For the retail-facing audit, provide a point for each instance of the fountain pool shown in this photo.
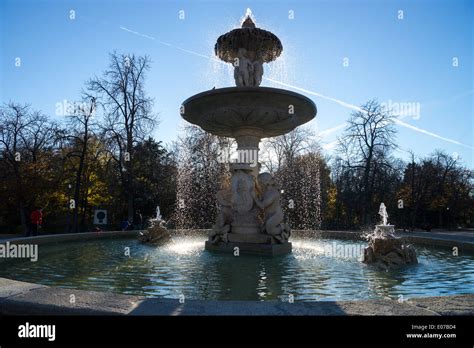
(315, 271)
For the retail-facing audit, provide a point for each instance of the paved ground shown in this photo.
(55, 238)
(465, 236)
(462, 240)
(19, 298)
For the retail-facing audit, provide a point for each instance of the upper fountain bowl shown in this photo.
(258, 44)
(259, 111)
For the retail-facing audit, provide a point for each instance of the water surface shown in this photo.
(310, 273)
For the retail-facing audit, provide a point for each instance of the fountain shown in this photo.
(386, 250)
(250, 219)
(156, 233)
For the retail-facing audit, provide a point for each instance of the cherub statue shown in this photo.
(224, 218)
(243, 70)
(257, 72)
(270, 203)
(242, 189)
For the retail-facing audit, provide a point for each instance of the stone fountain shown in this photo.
(250, 220)
(386, 250)
(156, 232)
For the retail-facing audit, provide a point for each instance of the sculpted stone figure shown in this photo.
(248, 72)
(270, 204)
(386, 251)
(224, 218)
(155, 234)
(257, 72)
(243, 69)
(242, 189)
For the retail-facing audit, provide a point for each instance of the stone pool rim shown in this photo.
(21, 298)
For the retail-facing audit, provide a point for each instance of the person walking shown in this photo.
(36, 219)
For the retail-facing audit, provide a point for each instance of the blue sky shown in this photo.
(391, 59)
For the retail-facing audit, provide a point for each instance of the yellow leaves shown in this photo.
(439, 202)
(330, 211)
(332, 196)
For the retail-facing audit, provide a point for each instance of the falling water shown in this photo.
(301, 197)
(200, 173)
(183, 216)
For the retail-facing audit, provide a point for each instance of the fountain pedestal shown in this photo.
(384, 230)
(245, 213)
(386, 250)
(244, 231)
(247, 248)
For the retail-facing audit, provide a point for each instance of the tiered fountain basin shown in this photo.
(261, 112)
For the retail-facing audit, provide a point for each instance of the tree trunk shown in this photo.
(130, 178)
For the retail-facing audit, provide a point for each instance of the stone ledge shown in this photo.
(32, 299)
(447, 240)
(69, 237)
(9, 288)
(446, 305)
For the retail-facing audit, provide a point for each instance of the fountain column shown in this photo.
(247, 149)
(244, 174)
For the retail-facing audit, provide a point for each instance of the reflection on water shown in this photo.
(314, 271)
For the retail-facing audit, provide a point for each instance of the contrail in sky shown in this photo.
(303, 90)
(340, 102)
(357, 108)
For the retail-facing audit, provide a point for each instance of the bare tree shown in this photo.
(24, 135)
(437, 190)
(368, 138)
(128, 116)
(83, 127)
(285, 148)
(14, 121)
